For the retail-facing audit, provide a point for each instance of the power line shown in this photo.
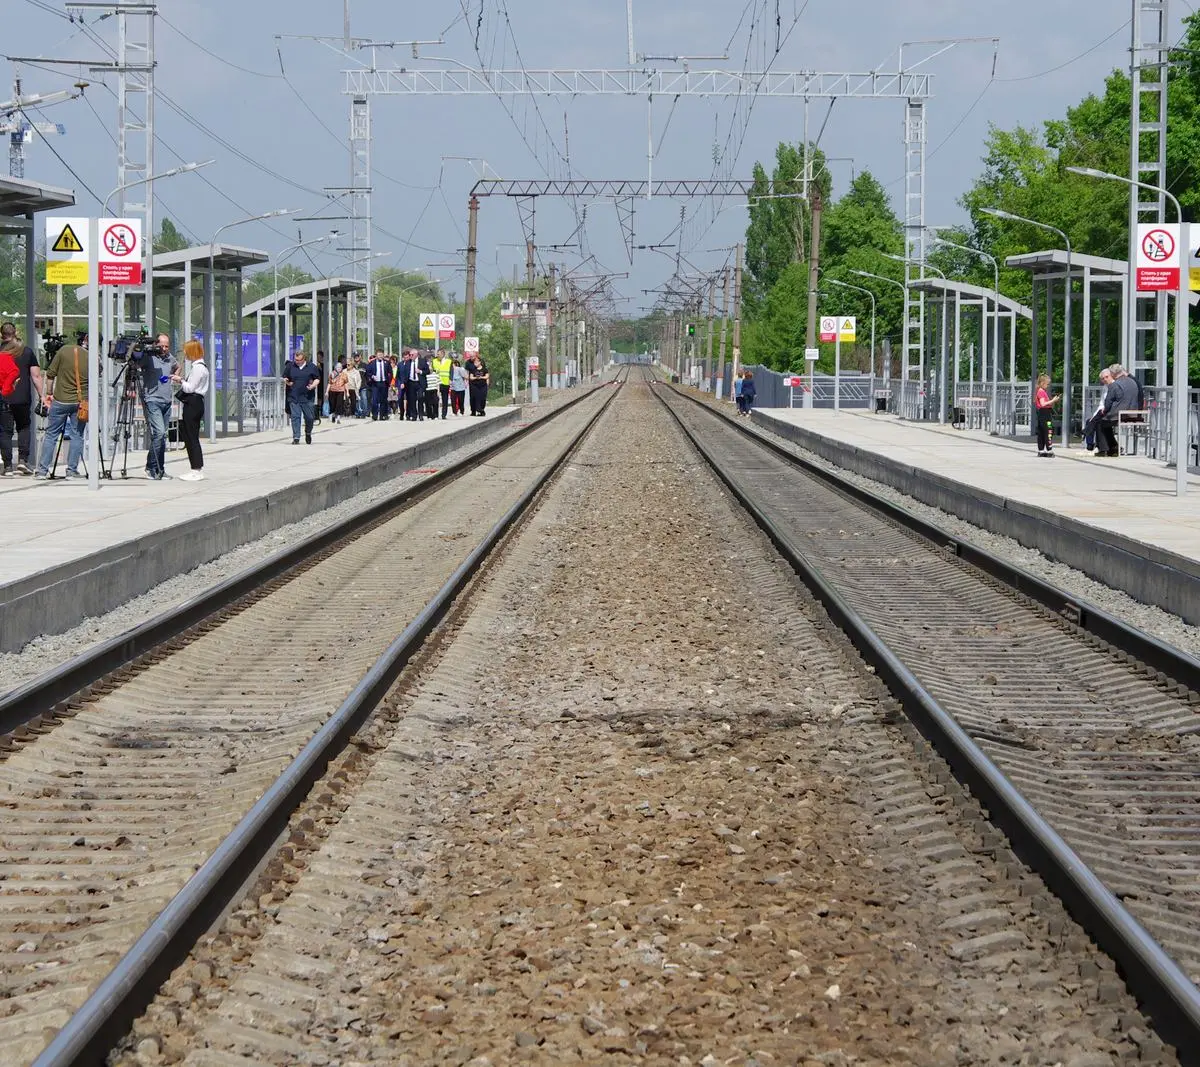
(50, 144)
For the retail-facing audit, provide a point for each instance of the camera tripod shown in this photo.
(128, 387)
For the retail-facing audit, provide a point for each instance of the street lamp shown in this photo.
(996, 325)
(1009, 216)
(1182, 298)
(921, 366)
(861, 289)
(400, 305)
(211, 324)
(890, 281)
(275, 296)
(183, 169)
(106, 321)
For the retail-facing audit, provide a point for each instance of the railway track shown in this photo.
(1065, 735)
(576, 849)
(113, 802)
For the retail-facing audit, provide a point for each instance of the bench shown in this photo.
(1130, 426)
(969, 412)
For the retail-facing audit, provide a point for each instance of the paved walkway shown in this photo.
(1131, 496)
(48, 523)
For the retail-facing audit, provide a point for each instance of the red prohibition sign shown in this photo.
(1158, 246)
(119, 240)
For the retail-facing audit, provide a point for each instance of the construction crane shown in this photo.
(18, 127)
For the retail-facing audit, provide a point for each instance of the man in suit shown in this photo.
(379, 375)
(414, 369)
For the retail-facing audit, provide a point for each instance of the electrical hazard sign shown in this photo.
(66, 251)
(428, 326)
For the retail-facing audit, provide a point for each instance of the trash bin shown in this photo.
(880, 404)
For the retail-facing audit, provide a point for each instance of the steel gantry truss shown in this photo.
(911, 86)
(806, 84)
(1146, 313)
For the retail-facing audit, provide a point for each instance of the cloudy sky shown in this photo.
(242, 86)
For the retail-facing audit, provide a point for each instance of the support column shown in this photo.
(472, 253)
(737, 309)
(724, 325)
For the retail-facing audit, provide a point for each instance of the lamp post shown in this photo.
(862, 289)
(1180, 392)
(278, 364)
(400, 305)
(211, 324)
(889, 281)
(995, 322)
(106, 321)
(925, 267)
(1066, 430)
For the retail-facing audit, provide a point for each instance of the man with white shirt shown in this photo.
(379, 375)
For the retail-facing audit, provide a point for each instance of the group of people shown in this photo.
(60, 394)
(744, 390)
(1122, 392)
(412, 386)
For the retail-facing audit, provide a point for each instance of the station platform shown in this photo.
(68, 552)
(1118, 520)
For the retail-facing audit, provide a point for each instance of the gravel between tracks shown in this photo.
(1153, 620)
(43, 652)
(648, 807)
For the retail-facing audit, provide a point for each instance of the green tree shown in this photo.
(169, 238)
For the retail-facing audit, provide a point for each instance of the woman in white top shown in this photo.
(192, 390)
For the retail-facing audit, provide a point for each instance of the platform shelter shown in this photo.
(317, 316)
(961, 366)
(20, 202)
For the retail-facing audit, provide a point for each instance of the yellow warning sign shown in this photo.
(67, 241)
(66, 273)
(428, 326)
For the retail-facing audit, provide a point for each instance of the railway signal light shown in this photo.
(691, 329)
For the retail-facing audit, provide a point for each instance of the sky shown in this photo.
(243, 83)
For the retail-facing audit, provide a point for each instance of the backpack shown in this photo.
(9, 373)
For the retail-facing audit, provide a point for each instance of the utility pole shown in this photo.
(516, 341)
(814, 267)
(724, 326)
(472, 254)
(551, 335)
(529, 362)
(14, 122)
(712, 312)
(737, 310)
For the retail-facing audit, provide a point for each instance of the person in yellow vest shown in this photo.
(442, 366)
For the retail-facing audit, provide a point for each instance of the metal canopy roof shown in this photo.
(329, 287)
(20, 197)
(1054, 261)
(973, 292)
(224, 257)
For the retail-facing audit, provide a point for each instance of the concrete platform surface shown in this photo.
(235, 469)
(66, 550)
(1065, 506)
(1132, 495)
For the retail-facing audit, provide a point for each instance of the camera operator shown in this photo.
(66, 390)
(15, 406)
(157, 365)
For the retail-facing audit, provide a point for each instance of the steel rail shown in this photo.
(89, 1035)
(39, 697)
(1166, 994)
(1174, 662)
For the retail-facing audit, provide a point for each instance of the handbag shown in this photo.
(82, 414)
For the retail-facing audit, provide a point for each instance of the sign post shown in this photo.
(846, 331)
(1179, 397)
(93, 355)
(811, 355)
